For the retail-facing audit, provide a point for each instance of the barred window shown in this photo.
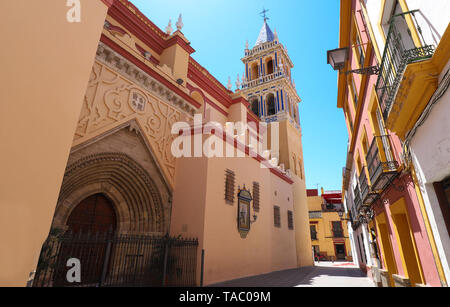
(276, 216)
(290, 217)
(229, 186)
(256, 196)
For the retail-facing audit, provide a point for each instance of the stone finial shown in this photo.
(229, 85)
(243, 77)
(238, 83)
(180, 23)
(275, 35)
(169, 27)
(246, 45)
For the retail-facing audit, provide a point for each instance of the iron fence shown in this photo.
(113, 260)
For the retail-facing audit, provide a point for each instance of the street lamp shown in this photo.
(338, 57)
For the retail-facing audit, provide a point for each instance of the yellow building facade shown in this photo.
(329, 236)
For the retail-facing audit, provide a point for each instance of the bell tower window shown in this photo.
(255, 106)
(271, 105)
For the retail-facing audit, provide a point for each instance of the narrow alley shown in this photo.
(323, 274)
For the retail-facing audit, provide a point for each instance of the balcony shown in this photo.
(381, 172)
(400, 50)
(368, 195)
(328, 207)
(278, 74)
(363, 184)
(357, 200)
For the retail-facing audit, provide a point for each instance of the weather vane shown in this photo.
(263, 14)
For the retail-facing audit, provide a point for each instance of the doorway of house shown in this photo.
(340, 251)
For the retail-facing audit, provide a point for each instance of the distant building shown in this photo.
(329, 236)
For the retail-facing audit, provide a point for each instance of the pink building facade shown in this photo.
(386, 225)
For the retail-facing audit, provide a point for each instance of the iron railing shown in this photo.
(376, 167)
(399, 51)
(357, 199)
(108, 260)
(363, 183)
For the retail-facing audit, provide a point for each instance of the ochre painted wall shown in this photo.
(46, 63)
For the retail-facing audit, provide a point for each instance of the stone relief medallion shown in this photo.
(137, 101)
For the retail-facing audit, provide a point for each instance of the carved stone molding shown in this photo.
(137, 201)
(121, 65)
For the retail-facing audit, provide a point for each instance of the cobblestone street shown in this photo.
(324, 274)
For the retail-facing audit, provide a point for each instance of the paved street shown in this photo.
(324, 274)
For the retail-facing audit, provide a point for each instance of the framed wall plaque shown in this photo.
(243, 214)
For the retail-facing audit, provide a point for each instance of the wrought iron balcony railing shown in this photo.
(363, 184)
(381, 172)
(399, 51)
(357, 200)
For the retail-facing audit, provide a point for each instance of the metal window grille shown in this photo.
(290, 220)
(229, 186)
(277, 216)
(256, 196)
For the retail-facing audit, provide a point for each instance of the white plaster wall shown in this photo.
(431, 143)
(431, 156)
(434, 17)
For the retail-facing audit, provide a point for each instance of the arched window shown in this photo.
(255, 106)
(270, 100)
(269, 65)
(254, 71)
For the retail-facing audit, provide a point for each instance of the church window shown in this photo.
(255, 106)
(270, 66)
(229, 186)
(271, 105)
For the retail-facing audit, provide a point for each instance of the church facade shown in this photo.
(248, 210)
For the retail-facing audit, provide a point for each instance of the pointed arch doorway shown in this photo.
(94, 214)
(90, 226)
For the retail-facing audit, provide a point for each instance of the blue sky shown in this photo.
(218, 29)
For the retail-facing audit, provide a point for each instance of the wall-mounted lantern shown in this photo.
(337, 58)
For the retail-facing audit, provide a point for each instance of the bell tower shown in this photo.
(269, 88)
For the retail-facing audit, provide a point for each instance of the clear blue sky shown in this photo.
(218, 29)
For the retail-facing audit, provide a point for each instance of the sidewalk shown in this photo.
(323, 274)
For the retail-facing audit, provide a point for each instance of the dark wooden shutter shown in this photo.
(276, 216)
(256, 196)
(290, 216)
(229, 186)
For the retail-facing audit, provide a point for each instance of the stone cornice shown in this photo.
(118, 63)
